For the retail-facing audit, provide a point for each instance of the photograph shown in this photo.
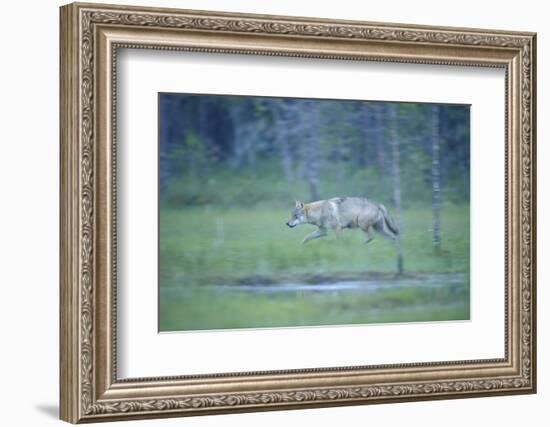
(288, 212)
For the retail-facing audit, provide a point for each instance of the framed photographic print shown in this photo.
(265, 212)
(229, 169)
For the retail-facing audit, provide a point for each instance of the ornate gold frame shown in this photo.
(90, 36)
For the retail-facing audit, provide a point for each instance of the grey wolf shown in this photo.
(339, 213)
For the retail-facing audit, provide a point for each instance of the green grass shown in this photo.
(207, 308)
(202, 248)
(206, 245)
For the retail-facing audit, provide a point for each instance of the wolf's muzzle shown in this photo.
(290, 225)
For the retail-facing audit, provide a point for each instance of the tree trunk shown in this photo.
(366, 131)
(311, 161)
(245, 134)
(203, 148)
(464, 165)
(379, 135)
(281, 138)
(251, 139)
(436, 181)
(365, 123)
(396, 182)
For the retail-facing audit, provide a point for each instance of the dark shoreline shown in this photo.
(321, 278)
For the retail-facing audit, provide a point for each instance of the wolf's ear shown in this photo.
(299, 204)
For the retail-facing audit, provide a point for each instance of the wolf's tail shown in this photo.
(388, 220)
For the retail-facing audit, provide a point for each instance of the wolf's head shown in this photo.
(298, 215)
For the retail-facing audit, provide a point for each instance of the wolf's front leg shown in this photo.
(320, 232)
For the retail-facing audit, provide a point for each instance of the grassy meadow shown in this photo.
(206, 254)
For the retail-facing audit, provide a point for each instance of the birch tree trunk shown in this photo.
(365, 124)
(396, 183)
(379, 136)
(436, 180)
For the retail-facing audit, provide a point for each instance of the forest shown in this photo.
(231, 168)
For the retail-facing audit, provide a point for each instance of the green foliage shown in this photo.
(228, 150)
(226, 187)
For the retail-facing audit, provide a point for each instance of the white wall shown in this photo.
(29, 213)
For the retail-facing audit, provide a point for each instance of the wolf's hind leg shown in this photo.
(368, 234)
(320, 232)
(380, 227)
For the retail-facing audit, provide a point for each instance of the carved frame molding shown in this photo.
(90, 37)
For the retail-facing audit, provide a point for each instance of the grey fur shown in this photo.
(339, 213)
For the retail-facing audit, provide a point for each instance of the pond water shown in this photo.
(297, 303)
(452, 280)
